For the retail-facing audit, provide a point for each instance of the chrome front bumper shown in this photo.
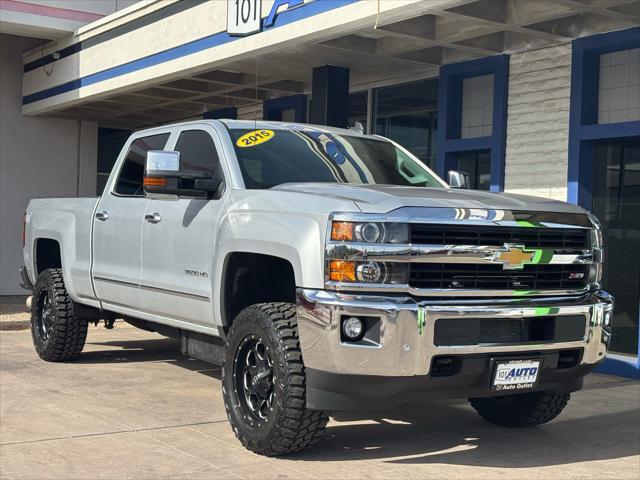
(402, 351)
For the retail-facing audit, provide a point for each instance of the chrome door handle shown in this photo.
(153, 217)
(102, 216)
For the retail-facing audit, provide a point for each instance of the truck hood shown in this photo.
(385, 198)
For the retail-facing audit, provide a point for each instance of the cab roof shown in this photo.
(254, 125)
(271, 125)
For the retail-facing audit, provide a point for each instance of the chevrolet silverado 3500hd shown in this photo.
(325, 270)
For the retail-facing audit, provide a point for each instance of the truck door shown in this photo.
(117, 228)
(179, 238)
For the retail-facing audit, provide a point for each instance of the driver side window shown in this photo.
(198, 153)
(132, 172)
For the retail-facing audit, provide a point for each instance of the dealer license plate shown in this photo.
(516, 374)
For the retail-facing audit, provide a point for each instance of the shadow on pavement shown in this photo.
(159, 349)
(452, 435)
(434, 432)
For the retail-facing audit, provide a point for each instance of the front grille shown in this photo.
(493, 276)
(532, 237)
(479, 331)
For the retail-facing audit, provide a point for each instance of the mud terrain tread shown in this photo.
(296, 428)
(526, 410)
(68, 333)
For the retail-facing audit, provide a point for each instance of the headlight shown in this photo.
(369, 232)
(367, 272)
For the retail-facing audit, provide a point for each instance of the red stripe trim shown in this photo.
(36, 9)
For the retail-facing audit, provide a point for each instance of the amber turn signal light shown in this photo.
(155, 182)
(342, 231)
(341, 271)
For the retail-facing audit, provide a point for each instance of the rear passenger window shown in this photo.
(132, 172)
(198, 153)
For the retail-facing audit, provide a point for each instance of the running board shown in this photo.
(202, 347)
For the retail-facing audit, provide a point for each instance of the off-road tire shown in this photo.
(67, 334)
(523, 410)
(289, 427)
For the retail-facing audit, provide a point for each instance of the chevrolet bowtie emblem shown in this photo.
(513, 257)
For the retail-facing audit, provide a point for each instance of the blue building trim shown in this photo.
(449, 143)
(227, 112)
(585, 133)
(620, 365)
(296, 14)
(584, 130)
(272, 109)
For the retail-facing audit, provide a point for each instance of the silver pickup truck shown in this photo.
(325, 270)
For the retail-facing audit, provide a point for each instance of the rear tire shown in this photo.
(523, 410)
(264, 384)
(57, 334)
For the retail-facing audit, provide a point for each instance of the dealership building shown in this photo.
(530, 97)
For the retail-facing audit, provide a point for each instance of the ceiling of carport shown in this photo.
(393, 51)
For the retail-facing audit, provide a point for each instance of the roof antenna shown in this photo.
(377, 16)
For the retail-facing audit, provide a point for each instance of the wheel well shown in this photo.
(255, 278)
(47, 254)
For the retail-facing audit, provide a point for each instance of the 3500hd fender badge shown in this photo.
(195, 273)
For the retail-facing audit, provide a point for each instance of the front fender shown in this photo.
(299, 240)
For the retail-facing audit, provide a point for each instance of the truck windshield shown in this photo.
(272, 157)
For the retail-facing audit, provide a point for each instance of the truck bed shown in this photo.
(67, 221)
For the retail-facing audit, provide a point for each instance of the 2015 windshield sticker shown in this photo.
(254, 138)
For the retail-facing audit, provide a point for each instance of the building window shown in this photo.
(619, 86)
(478, 166)
(604, 157)
(472, 115)
(358, 104)
(110, 142)
(477, 106)
(407, 114)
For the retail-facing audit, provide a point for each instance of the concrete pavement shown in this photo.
(133, 407)
(14, 314)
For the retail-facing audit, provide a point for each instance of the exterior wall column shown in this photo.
(330, 96)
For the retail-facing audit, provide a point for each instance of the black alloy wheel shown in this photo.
(254, 379)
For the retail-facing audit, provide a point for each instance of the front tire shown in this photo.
(523, 410)
(264, 384)
(57, 334)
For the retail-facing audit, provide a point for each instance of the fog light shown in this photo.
(353, 329)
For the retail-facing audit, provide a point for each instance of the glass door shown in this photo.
(616, 203)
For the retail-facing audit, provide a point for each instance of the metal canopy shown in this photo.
(395, 51)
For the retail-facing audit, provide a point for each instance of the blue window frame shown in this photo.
(450, 144)
(585, 133)
(584, 129)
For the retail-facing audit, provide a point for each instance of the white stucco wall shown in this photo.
(39, 157)
(538, 122)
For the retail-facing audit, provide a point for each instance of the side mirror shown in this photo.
(163, 175)
(162, 162)
(459, 179)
